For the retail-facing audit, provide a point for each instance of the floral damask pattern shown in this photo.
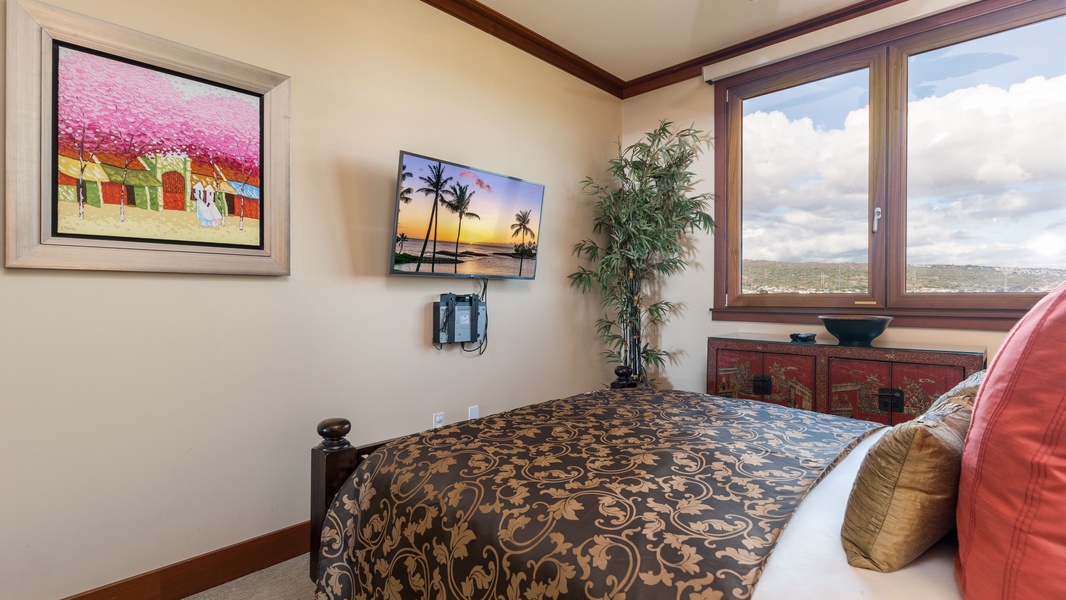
(627, 495)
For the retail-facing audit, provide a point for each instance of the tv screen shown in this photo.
(457, 221)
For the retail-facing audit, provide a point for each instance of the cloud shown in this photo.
(986, 137)
(986, 171)
(479, 182)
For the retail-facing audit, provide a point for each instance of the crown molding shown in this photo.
(507, 30)
(523, 38)
(693, 68)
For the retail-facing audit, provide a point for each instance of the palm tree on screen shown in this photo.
(405, 192)
(521, 226)
(461, 206)
(435, 186)
(400, 239)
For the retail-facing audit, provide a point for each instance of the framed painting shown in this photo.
(128, 152)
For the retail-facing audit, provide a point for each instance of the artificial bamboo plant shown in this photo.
(644, 211)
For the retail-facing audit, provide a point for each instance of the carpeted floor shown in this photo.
(286, 581)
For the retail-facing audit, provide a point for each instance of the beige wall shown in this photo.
(145, 419)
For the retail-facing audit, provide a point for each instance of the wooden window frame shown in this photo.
(885, 52)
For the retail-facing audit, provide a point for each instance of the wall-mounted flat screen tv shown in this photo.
(458, 221)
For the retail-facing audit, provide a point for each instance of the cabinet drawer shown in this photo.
(854, 387)
(743, 374)
(922, 385)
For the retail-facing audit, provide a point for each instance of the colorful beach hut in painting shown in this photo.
(128, 181)
(245, 199)
(248, 195)
(106, 178)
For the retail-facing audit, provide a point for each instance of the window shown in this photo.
(919, 172)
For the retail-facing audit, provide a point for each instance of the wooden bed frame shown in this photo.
(334, 460)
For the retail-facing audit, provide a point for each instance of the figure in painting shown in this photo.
(206, 210)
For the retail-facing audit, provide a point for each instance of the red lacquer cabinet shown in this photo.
(879, 383)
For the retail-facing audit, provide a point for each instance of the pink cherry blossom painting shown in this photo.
(145, 154)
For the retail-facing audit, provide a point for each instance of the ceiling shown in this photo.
(629, 47)
(633, 38)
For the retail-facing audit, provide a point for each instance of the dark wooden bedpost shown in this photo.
(624, 378)
(332, 461)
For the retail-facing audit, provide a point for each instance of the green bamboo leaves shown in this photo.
(644, 212)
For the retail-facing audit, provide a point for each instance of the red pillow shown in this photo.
(1012, 491)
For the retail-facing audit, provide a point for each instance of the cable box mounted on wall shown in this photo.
(458, 319)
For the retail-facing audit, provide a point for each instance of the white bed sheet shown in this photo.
(808, 562)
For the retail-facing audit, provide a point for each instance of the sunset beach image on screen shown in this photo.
(457, 221)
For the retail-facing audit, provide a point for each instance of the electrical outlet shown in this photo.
(438, 420)
(471, 412)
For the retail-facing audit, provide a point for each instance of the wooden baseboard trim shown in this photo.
(192, 576)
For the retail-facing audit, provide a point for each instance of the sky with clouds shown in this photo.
(986, 159)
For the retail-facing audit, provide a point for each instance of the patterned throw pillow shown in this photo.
(963, 393)
(903, 499)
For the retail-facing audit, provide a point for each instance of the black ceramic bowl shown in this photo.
(855, 330)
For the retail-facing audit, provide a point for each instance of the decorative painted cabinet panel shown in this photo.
(859, 388)
(880, 383)
(783, 379)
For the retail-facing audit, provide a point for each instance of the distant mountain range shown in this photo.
(771, 277)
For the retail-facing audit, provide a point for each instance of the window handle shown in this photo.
(877, 217)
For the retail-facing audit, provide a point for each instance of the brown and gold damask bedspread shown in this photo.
(627, 495)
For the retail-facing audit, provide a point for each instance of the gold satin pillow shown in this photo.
(903, 499)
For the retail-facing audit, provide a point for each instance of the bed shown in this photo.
(611, 494)
(631, 494)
